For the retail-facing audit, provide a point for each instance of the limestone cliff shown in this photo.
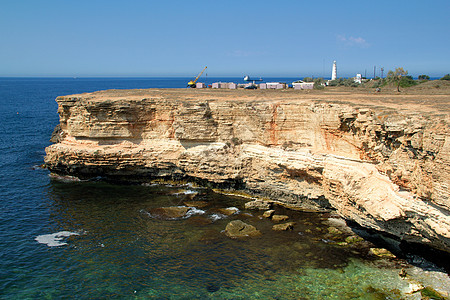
(381, 165)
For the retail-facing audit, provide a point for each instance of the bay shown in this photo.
(89, 240)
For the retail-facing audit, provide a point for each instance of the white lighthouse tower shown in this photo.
(334, 72)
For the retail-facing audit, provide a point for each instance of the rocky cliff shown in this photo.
(378, 161)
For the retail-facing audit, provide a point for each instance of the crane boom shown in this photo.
(193, 82)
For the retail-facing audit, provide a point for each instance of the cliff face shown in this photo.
(379, 166)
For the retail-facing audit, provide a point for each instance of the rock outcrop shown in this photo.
(380, 166)
(237, 229)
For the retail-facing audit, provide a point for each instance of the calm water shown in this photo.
(114, 247)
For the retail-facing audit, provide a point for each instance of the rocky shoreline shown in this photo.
(384, 168)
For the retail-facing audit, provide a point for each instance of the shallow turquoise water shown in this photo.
(122, 251)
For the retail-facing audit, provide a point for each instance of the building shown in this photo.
(224, 85)
(303, 85)
(334, 72)
(275, 85)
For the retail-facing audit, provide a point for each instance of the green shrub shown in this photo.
(333, 83)
(423, 77)
(446, 77)
(319, 83)
(407, 81)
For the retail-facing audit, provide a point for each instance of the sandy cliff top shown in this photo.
(417, 99)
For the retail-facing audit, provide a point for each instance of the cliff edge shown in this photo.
(379, 160)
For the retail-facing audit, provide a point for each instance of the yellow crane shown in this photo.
(193, 82)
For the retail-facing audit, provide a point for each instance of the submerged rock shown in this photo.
(353, 239)
(279, 218)
(258, 204)
(174, 212)
(430, 293)
(239, 229)
(199, 221)
(284, 226)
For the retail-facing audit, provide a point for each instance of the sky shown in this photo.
(138, 38)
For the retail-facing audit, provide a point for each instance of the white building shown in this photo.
(303, 85)
(334, 72)
(275, 85)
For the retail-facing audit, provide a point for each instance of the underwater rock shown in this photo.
(334, 231)
(353, 239)
(430, 293)
(174, 212)
(199, 221)
(279, 218)
(212, 288)
(258, 205)
(284, 226)
(239, 229)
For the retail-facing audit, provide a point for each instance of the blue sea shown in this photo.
(98, 240)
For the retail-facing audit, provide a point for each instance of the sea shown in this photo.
(65, 239)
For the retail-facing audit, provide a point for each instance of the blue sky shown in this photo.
(233, 38)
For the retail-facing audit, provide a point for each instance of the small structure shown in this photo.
(275, 85)
(303, 85)
(224, 85)
(263, 86)
(358, 78)
(200, 85)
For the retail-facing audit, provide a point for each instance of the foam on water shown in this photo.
(194, 211)
(216, 217)
(54, 239)
(234, 209)
(186, 192)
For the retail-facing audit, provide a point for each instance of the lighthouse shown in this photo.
(334, 72)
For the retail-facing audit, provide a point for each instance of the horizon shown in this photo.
(289, 39)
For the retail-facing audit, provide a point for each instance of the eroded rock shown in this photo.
(268, 213)
(228, 211)
(284, 226)
(279, 218)
(238, 229)
(258, 205)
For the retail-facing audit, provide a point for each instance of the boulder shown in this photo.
(279, 218)
(258, 205)
(381, 252)
(284, 226)
(238, 229)
(171, 212)
(268, 213)
(228, 211)
(353, 239)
